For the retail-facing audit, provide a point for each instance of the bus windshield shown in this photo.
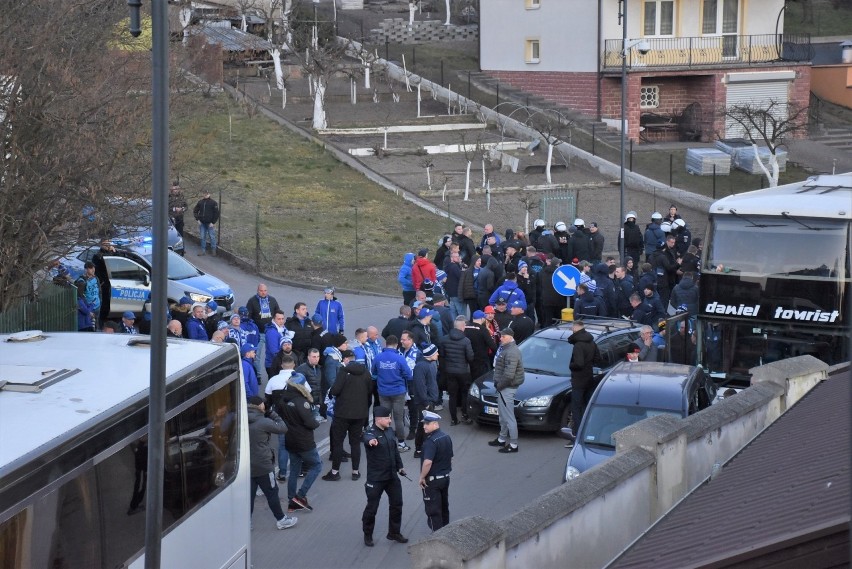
(779, 246)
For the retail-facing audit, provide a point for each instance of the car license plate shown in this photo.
(491, 411)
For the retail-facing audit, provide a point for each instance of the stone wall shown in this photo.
(397, 30)
(657, 463)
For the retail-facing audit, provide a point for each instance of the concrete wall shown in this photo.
(657, 463)
(397, 30)
(833, 83)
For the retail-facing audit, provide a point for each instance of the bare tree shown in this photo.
(770, 123)
(74, 126)
(553, 127)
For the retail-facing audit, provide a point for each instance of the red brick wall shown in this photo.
(575, 90)
(677, 90)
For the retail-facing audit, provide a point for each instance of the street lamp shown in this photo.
(643, 48)
(159, 282)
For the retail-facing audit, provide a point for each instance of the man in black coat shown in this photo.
(521, 323)
(456, 353)
(634, 242)
(583, 359)
(483, 345)
(353, 393)
(384, 466)
(552, 302)
(398, 324)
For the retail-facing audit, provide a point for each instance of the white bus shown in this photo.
(73, 453)
(775, 276)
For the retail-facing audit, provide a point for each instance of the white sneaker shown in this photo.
(259, 492)
(286, 522)
(439, 407)
(403, 447)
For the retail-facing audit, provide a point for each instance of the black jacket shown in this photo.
(467, 248)
(583, 359)
(395, 327)
(456, 353)
(253, 306)
(302, 331)
(549, 296)
(597, 246)
(685, 292)
(523, 327)
(424, 334)
(353, 392)
(294, 406)
(483, 345)
(383, 460)
(581, 243)
(206, 210)
(634, 243)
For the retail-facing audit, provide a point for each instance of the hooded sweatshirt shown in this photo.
(404, 275)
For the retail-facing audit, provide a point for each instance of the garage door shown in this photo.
(755, 93)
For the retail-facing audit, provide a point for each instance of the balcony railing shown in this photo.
(711, 51)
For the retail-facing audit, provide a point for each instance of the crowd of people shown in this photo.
(464, 310)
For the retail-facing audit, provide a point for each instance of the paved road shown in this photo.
(484, 482)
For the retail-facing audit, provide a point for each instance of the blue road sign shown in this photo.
(565, 280)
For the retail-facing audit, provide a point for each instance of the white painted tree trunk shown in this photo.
(771, 176)
(279, 72)
(366, 75)
(411, 9)
(244, 24)
(483, 171)
(447, 23)
(429, 177)
(549, 162)
(467, 182)
(320, 120)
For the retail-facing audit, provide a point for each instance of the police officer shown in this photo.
(383, 469)
(436, 464)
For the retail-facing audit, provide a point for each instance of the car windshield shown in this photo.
(604, 420)
(546, 355)
(179, 268)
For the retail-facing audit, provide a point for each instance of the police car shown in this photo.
(129, 271)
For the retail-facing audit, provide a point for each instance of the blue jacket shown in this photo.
(404, 275)
(332, 315)
(250, 378)
(391, 372)
(84, 315)
(424, 373)
(252, 332)
(273, 343)
(654, 237)
(511, 292)
(195, 329)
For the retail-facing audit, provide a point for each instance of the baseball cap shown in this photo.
(381, 411)
(477, 314)
(212, 305)
(328, 290)
(507, 332)
(424, 312)
(488, 309)
(316, 319)
(129, 315)
(247, 348)
(243, 312)
(297, 379)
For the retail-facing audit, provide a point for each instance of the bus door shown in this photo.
(130, 285)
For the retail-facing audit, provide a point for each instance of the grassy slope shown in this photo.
(306, 201)
(828, 21)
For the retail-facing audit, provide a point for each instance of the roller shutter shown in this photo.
(754, 93)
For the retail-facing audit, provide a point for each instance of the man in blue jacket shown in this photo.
(404, 279)
(392, 376)
(331, 311)
(510, 291)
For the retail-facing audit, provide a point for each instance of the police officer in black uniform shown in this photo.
(383, 469)
(436, 464)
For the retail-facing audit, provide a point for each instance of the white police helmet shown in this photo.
(666, 227)
(538, 223)
(560, 226)
(579, 222)
(679, 222)
(629, 215)
(657, 215)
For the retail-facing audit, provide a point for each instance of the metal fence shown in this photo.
(55, 310)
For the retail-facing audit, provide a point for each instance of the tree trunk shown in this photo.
(549, 162)
(771, 176)
(279, 72)
(320, 121)
(467, 182)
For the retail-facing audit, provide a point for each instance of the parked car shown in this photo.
(130, 279)
(543, 400)
(631, 392)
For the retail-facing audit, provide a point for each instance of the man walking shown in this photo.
(508, 376)
(352, 392)
(295, 406)
(583, 359)
(206, 212)
(456, 356)
(262, 425)
(384, 466)
(435, 466)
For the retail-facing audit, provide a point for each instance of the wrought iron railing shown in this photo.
(707, 51)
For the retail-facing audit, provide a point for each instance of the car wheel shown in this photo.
(565, 418)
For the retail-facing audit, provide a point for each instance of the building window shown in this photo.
(649, 97)
(532, 51)
(659, 18)
(533, 4)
